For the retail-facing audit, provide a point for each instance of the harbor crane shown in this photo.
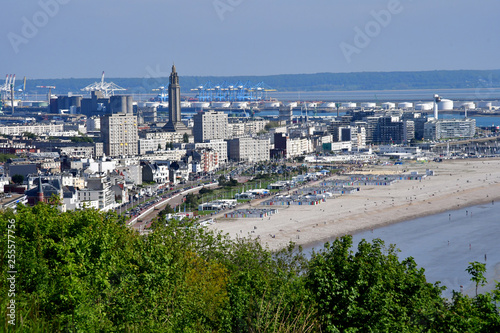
(238, 92)
(107, 88)
(9, 88)
(50, 91)
(162, 95)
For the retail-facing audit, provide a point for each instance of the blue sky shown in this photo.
(141, 38)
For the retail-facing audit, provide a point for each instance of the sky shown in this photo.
(142, 38)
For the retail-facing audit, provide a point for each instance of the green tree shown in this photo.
(18, 179)
(30, 135)
(185, 138)
(369, 289)
(477, 270)
(5, 157)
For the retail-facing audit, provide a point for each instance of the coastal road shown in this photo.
(142, 220)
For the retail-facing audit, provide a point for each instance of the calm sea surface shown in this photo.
(445, 243)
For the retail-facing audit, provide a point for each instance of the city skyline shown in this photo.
(69, 38)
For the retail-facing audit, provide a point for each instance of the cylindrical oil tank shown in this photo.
(328, 105)
(201, 105)
(292, 104)
(405, 105)
(348, 105)
(445, 104)
(272, 105)
(221, 104)
(240, 105)
(185, 104)
(423, 106)
(484, 104)
(388, 105)
(467, 105)
(141, 104)
(369, 105)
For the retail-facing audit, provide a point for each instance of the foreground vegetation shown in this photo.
(85, 271)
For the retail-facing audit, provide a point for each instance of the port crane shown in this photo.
(50, 91)
(107, 88)
(238, 92)
(162, 95)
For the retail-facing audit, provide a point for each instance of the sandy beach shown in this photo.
(455, 184)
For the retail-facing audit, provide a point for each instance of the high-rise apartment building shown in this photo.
(210, 125)
(119, 133)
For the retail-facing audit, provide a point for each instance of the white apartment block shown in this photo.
(236, 130)
(93, 124)
(255, 126)
(151, 145)
(358, 137)
(173, 137)
(299, 146)
(165, 155)
(209, 125)
(40, 129)
(249, 149)
(219, 146)
(449, 128)
(119, 132)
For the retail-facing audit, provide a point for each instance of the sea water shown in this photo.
(445, 243)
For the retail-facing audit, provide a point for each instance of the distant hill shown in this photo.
(449, 79)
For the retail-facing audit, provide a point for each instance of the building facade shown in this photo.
(210, 125)
(248, 149)
(119, 133)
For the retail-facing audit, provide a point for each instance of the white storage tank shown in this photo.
(328, 105)
(221, 104)
(272, 105)
(388, 105)
(370, 105)
(405, 105)
(348, 105)
(467, 105)
(423, 106)
(445, 104)
(240, 105)
(292, 104)
(484, 105)
(201, 105)
(185, 104)
(141, 104)
(311, 105)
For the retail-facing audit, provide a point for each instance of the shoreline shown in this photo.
(404, 219)
(456, 184)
